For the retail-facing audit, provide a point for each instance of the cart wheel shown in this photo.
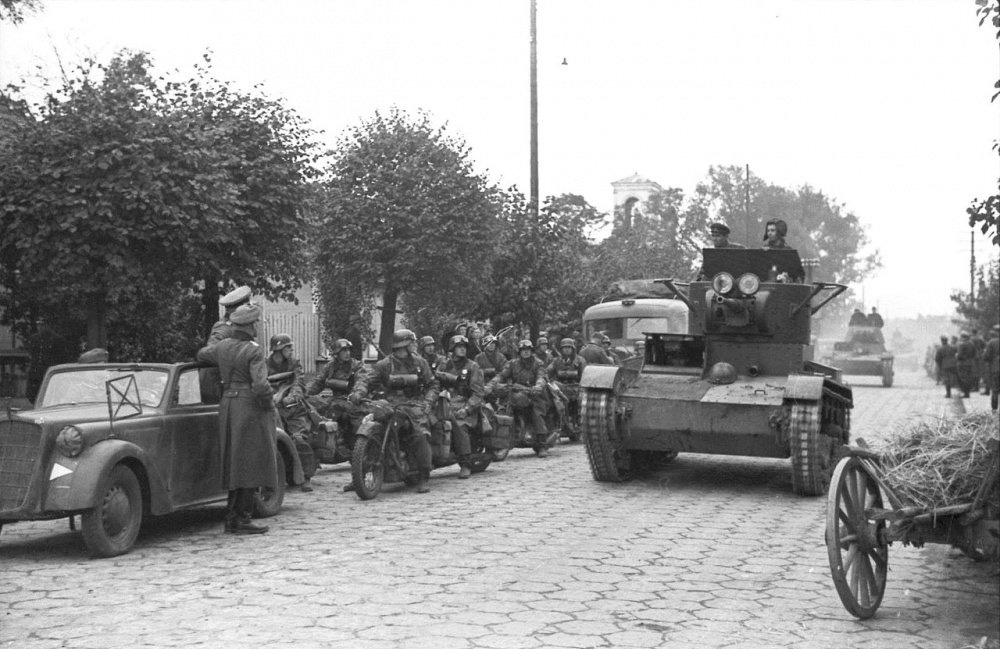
(856, 545)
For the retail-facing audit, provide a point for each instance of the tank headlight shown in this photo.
(748, 283)
(70, 441)
(722, 283)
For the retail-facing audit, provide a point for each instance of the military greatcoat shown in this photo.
(247, 435)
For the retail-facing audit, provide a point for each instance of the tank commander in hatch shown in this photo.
(719, 233)
(775, 231)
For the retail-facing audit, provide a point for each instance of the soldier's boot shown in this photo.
(307, 485)
(243, 506)
(543, 452)
(466, 467)
(348, 487)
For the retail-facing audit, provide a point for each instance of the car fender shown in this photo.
(802, 387)
(293, 462)
(77, 487)
(600, 377)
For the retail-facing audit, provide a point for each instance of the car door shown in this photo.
(193, 426)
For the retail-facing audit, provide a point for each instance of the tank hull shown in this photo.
(685, 414)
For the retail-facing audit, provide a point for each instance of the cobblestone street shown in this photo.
(707, 552)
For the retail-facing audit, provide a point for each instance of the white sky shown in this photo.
(884, 105)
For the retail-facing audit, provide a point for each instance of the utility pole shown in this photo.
(972, 266)
(534, 111)
(746, 207)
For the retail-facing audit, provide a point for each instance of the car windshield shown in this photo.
(88, 386)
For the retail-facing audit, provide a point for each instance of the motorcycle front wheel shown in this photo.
(367, 467)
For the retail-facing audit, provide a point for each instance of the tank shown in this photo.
(863, 352)
(740, 381)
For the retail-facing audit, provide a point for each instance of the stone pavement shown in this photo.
(707, 552)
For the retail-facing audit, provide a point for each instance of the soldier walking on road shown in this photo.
(966, 361)
(946, 364)
(991, 364)
(246, 418)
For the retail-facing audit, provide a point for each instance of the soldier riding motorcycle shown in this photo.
(565, 373)
(337, 395)
(522, 383)
(460, 413)
(393, 442)
(285, 376)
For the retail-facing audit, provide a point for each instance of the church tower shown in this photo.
(630, 198)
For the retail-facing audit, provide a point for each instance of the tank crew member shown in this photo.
(567, 369)
(464, 381)
(415, 397)
(719, 233)
(593, 352)
(526, 370)
(288, 396)
(428, 351)
(775, 231)
(966, 364)
(873, 319)
(246, 418)
(345, 378)
(858, 318)
(991, 362)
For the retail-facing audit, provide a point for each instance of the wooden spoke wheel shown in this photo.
(856, 545)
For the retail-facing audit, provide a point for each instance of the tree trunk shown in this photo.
(210, 306)
(97, 322)
(387, 323)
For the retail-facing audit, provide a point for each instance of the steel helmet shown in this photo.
(567, 342)
(402, 338)
(341, 344)
(722, 373)
(280, 341)
(542, 340)
(525, 344)
(456, 341)
(427, 340)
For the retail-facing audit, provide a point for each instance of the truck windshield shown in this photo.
(87, 386)
(631, 328)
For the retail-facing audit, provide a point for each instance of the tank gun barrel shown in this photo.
(731, 305)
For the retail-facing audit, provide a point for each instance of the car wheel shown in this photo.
(112, 526)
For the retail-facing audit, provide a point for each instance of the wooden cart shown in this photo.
(859, 529)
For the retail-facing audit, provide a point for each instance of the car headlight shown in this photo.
(748, 283)
(70, 441)
(722, 283)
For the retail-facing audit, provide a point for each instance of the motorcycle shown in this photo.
(514, 400)
(330, 442)
(380, 455)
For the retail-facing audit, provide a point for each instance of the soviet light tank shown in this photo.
(740, 381)
(863, 352)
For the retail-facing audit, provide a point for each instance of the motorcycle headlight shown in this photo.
(70, 441)
(748, 283)
(722, 283)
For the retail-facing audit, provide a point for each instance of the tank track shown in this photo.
(609, 461)
(817, 433)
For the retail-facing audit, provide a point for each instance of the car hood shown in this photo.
(66, 414)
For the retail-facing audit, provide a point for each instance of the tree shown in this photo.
(542, 258)
(14, 11)
(984, 311)
(985, 213)
(122, 189)
(403, 214)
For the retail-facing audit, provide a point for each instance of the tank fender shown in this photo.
(77, 489)
(292, 460)
(801, 387)
(600, 377)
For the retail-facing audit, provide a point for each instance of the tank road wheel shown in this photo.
(367, 467)
(856, 545)
(887, 374)
(609, 460)
(813, 453)
(267, 502)
(112, 526)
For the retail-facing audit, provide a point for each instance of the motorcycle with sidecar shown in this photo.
(514, 400)
(383, 455)
(331, 442)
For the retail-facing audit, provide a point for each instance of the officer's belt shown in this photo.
(237, 385)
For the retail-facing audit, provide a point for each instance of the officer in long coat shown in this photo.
(414, 392)
(247, 435)
(211, 389)
(464, 381)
